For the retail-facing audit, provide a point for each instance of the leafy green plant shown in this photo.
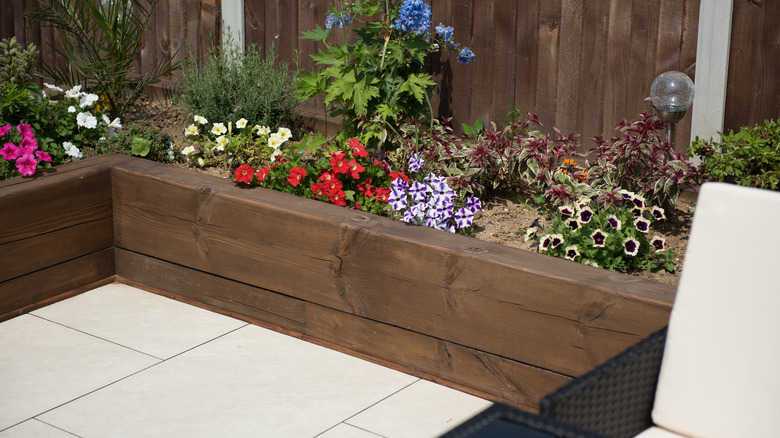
(17, 64)
(616, 237)
(144, 141)
(751, 157)
(380, 75)
(638, 160)
(233, 85)
(100, 40)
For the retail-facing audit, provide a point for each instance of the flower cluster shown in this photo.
(338, 21)
(614, 237)
(431, 202)
(26, 153)
(347, 175)
(414, 16)
(465, 55)
(221, 142)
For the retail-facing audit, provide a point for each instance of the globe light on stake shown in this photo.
(672, 94)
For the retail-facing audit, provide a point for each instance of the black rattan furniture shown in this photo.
(614, 400)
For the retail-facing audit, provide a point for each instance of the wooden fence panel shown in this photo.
(753, 91)
(581, 65)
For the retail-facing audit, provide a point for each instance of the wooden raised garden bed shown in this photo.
(503, 323)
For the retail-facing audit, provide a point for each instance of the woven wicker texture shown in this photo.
(615, 399)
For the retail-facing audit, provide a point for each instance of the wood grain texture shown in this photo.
(27, 292)
(561, 316)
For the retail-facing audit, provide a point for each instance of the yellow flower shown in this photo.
(284, 133)
(191, 130)
(262, 130)
(188, 150)
(201, 120)
(275, 141)
(241, 123)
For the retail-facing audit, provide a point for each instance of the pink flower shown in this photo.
(9, 151)
(4, 129)
(26, 164)
(27, 146)
(43, 156)
(25, 129)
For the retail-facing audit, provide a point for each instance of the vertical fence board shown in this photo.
(569, 64)
(462, 75)
(504, 57)
(590, 106)
(526, 66)
(484, 43)
(547, 61)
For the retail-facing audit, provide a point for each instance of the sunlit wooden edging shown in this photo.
(500, 322)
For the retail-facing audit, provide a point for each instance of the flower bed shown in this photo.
(500, 322)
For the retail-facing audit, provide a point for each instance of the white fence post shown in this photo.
(712, 67)
(233, 22)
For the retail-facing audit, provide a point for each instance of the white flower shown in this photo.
(88, 100)
(222, 141)
(274, 141)
(72, 150)
(191, 130)
(52, 87)
(188, 150)
(201, 120)
(284, 133)
(74, 93)
(201, 162)
(113, 125)
(262, 130)
(241, 123)
(218, 129)
(86, 120)
(71, 109)
(116, 124)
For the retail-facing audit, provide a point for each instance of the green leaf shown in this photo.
(353, 92)
(417, 85)
(311, 84)
(140, 146)
(318, 34)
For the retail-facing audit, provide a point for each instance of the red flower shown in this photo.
(320, 190)
(262, 173)
(338, 198)
(355, 169)
(357, 148)
(399, 174)
(382, 194)
(244, 174)
(296, 175)
(368, 190)
(326, 175)
(338, 162)
(333, 185)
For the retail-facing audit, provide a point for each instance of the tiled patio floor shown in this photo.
(121, 362)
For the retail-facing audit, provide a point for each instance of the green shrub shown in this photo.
(233, 85)
(17, 65)
(143, 141)
(100, 40)
(751, 157)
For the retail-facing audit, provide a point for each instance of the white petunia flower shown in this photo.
(86, 120)
(222, 141)
(71, 109)
(201, 120)
(74, 93)
(274, 141)
(262, 130)
(241, 123)
(218, 129)
(188, 150)
(285, 133)
(191, 130)
(72, 150)
(87, 100)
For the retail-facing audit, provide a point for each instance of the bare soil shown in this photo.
(504, 216)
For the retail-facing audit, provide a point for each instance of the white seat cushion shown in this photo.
(657, 432)
(720, 375)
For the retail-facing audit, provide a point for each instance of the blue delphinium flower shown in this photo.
(337, 21)
(414, 16)
(465, 56)
(445, 33)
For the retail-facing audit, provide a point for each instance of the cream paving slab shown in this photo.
(344, 430)
(140, 320)
(34, 429)
(44, 365)
(251, 382)
(422, 410)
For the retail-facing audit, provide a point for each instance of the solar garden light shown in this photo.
(672, 95)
